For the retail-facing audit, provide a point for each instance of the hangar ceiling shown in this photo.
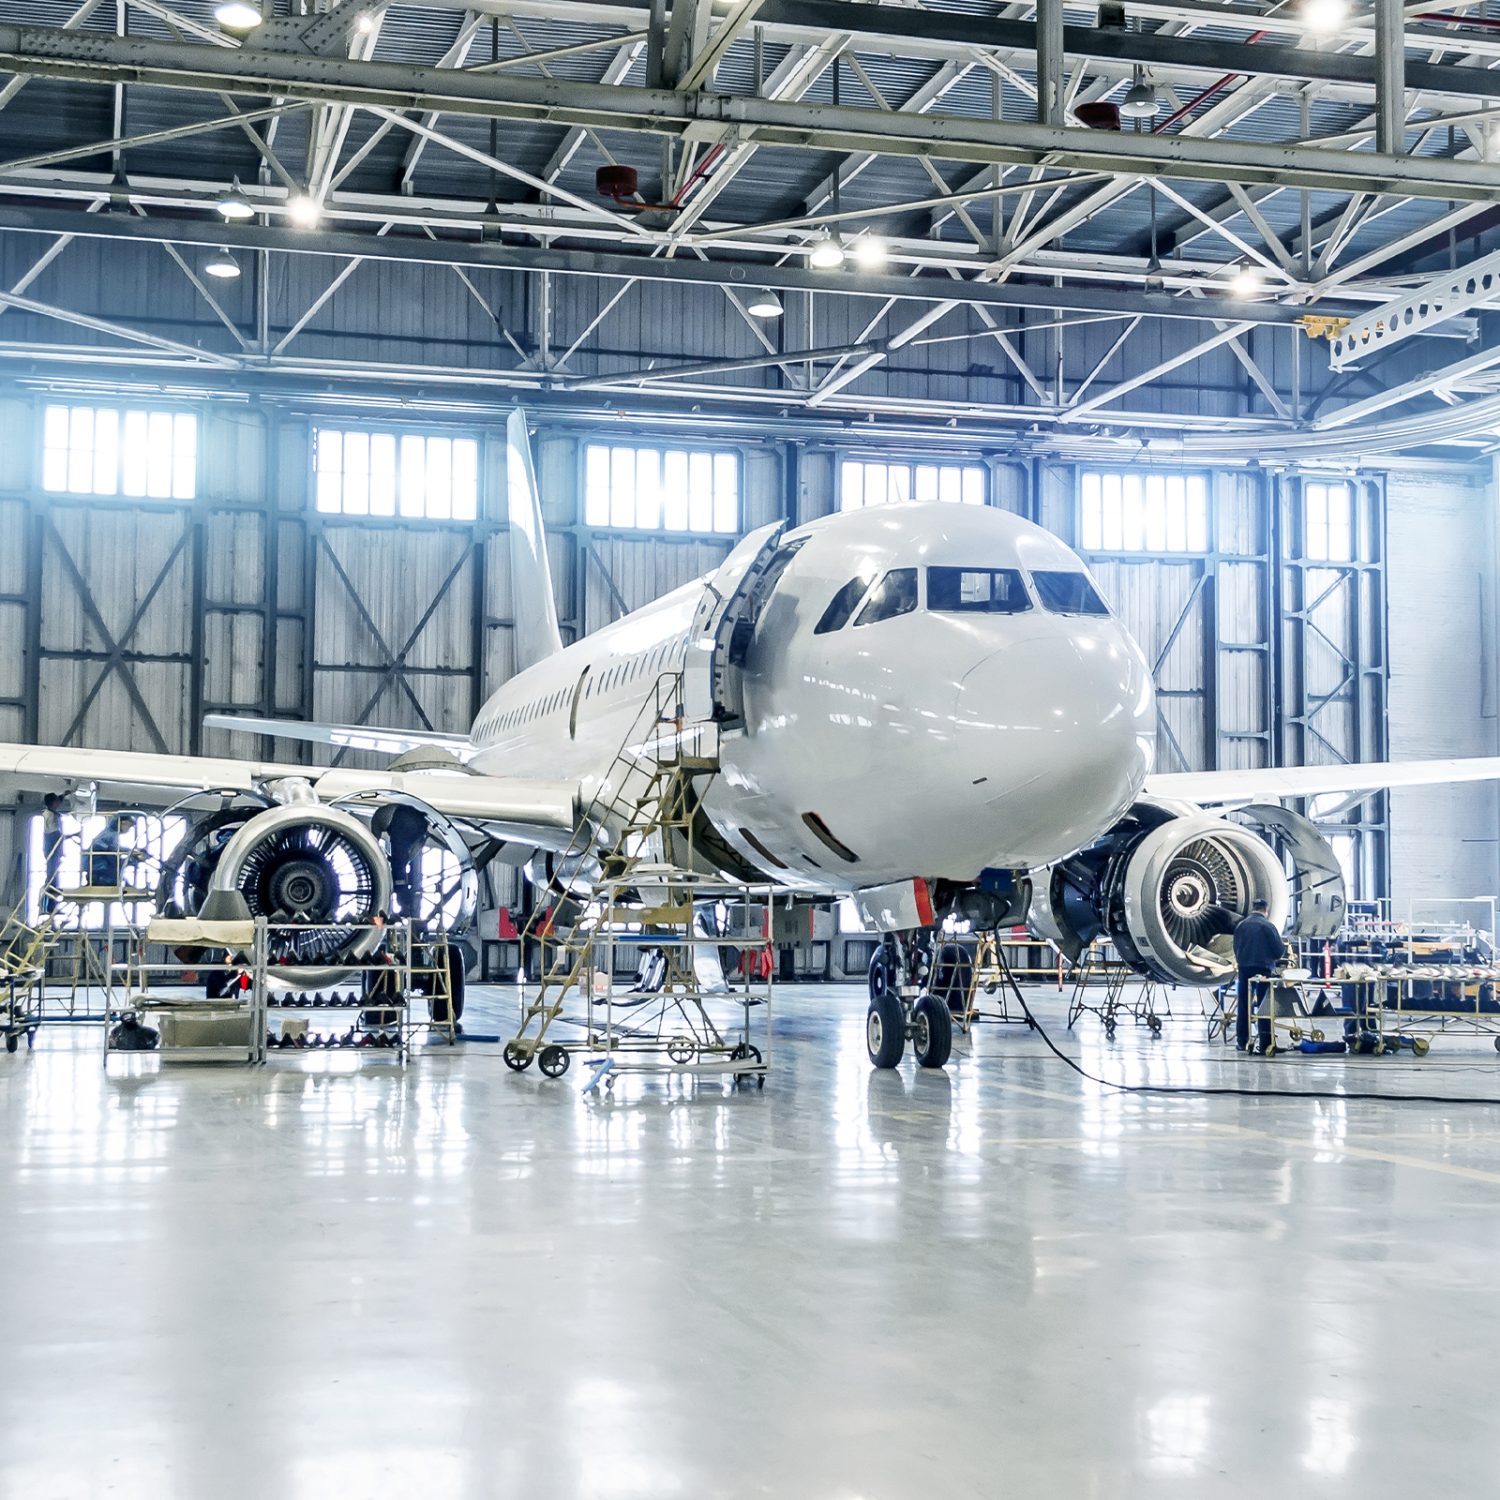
(1174, 281)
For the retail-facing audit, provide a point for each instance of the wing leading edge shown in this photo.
(1274, 783)
(517, 805)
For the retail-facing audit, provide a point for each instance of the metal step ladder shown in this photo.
(642, 815)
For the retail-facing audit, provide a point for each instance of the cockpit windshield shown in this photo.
(1068, 594)
(895, 594)
(841, 606)
(983, 591)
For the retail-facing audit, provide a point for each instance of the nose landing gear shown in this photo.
(900, 1008)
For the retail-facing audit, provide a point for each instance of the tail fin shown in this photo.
(533, 607)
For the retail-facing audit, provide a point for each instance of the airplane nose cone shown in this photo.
(1061, 730)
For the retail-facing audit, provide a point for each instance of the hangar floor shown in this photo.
(305, 1281)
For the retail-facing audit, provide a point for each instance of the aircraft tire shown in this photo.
(932, 1032)
(885, 1031)
(880, 973)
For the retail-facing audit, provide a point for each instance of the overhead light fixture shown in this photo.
(764, 304)
(365, 25)
(303, 211)
(870, 252)
(1245, 282)
(1140, 101)
(826, 254)
(238, 15)
(1323, 17)
(222, 265)
(235, 205)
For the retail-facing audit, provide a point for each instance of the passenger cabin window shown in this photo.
(1068, 594)
(895, 594)
(844, 603)
(979, 591)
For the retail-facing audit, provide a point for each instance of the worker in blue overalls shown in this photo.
(1258, 948)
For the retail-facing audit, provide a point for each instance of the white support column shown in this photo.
(1049, 62)
(1390, 77)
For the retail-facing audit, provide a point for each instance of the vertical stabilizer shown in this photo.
(534, 608)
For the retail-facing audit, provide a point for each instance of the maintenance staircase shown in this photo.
(645, 810)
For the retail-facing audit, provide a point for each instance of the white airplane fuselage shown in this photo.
(939, 740)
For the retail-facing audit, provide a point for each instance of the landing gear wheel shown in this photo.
(931, 1032)
(517, 1058)
(881, 973)
(885, 1031)
(553, 1060)
(682, 1049)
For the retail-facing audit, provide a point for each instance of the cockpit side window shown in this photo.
(895, 594)
(1068, 594)
(842, 605)
(980, 591)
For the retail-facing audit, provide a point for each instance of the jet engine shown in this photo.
(1167, 885)
(316, 873)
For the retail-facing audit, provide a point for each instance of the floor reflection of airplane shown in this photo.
(927, 707)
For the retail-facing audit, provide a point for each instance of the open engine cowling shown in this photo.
(1164, 884)
(318, 875)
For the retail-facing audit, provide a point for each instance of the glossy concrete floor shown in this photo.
(315, 1281)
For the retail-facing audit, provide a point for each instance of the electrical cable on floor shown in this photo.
(1339, 1095)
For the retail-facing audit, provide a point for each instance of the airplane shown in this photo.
(929, 708)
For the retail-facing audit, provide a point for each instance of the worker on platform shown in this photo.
(1258, 948)
(52, 850)
(106, 862)
(405, 830)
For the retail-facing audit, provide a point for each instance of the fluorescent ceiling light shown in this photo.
(238, 15)
(1323, 16)
(303, 211)
(1245, 282)
(826, 254)
(235, 205)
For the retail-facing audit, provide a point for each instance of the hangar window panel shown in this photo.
(1147, 512)
(99, 450)
(871, 481)
(628, 488)
(1328, 521)
(418, 476)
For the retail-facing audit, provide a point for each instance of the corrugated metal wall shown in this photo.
(1441, 535)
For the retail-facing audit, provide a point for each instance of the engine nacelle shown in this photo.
(319, 876)
(1167, 885)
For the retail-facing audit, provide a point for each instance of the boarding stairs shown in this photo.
(640, 823)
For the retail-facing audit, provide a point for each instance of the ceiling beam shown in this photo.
(52, 52)
(487, 254)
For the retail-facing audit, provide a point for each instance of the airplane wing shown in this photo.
(516, 806)
(347, 736)
(1274, 783)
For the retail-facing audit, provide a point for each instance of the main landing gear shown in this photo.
(901, 1008)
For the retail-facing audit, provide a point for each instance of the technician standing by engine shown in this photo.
(1258, 948)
